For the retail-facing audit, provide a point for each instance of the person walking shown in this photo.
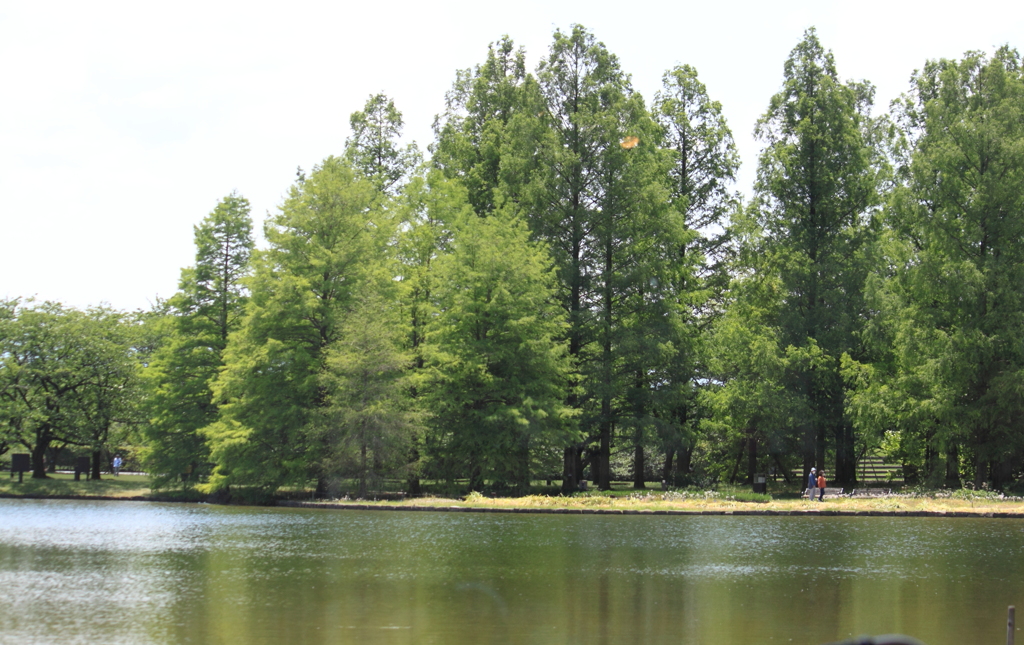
(812, 483)
(117, 465)
(821, 486)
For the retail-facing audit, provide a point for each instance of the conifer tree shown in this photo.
(497, 370)
(815, 189)
(206, 309)
(325, 246)
(704, 162)
(483, 119)
(375, 149)
(945, 376)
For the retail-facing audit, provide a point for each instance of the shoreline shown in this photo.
(618, 511)
(105, 498)
(938, 504)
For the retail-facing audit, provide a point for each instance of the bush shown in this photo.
(971, 494)
(743, 496)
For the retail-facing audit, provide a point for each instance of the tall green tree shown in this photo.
(815, 189)
(327, 244)
(109, 405)
(10, 409)
(750, 400)
(483, 118)
(598, 194)
(497, 370)
(430, 206)
(369, 418)
(206, 309)
(375, 147)
(704, 162)
(948, 299)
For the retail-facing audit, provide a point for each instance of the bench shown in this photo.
(829, 492)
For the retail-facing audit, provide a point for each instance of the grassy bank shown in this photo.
(64, 485)
(624, 499)
(697, 502)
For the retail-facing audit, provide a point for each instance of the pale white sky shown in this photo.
(123, 124)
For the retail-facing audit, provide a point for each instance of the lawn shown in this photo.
(622, 497)
(64, 484)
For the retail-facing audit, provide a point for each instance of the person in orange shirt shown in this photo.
(821, 486)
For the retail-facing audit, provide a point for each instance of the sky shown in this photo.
(122, 124)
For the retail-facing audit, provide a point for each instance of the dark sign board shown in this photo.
(81, 467)
(21, 463)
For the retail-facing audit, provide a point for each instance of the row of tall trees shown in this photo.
(570, 286)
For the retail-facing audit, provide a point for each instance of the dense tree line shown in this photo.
(569, 287)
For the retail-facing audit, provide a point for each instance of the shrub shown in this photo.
(744, 496)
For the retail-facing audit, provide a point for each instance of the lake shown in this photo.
(136, 572)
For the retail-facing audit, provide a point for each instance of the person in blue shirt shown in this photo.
(812, 483)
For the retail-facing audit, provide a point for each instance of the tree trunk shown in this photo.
(603, 475)
(476, 479)
(953, 466)
(1002, 472)
(980, 471)
(413, 481)
(521, 466)
(846, 456)
(929, 456)
(751, 455)
(39, 460)
(782, 470)
(736, 466)
(808, 450)
(362, 469)
(96, 458)
(684, 464)
(638, 465)
(570, 481)
(51, 465)
(602, 460)
(819, 447)
(666, 472)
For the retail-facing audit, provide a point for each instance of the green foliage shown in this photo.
(743, 496)
(806, 236)
(946, 374)
(497, 375)
(193, 335)
(368, 418)
(66, 376)
(374, 149)
(704, 164)
(569, 284)
(487, 112)
(326, 246)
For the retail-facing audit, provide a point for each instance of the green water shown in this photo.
(125, 572)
